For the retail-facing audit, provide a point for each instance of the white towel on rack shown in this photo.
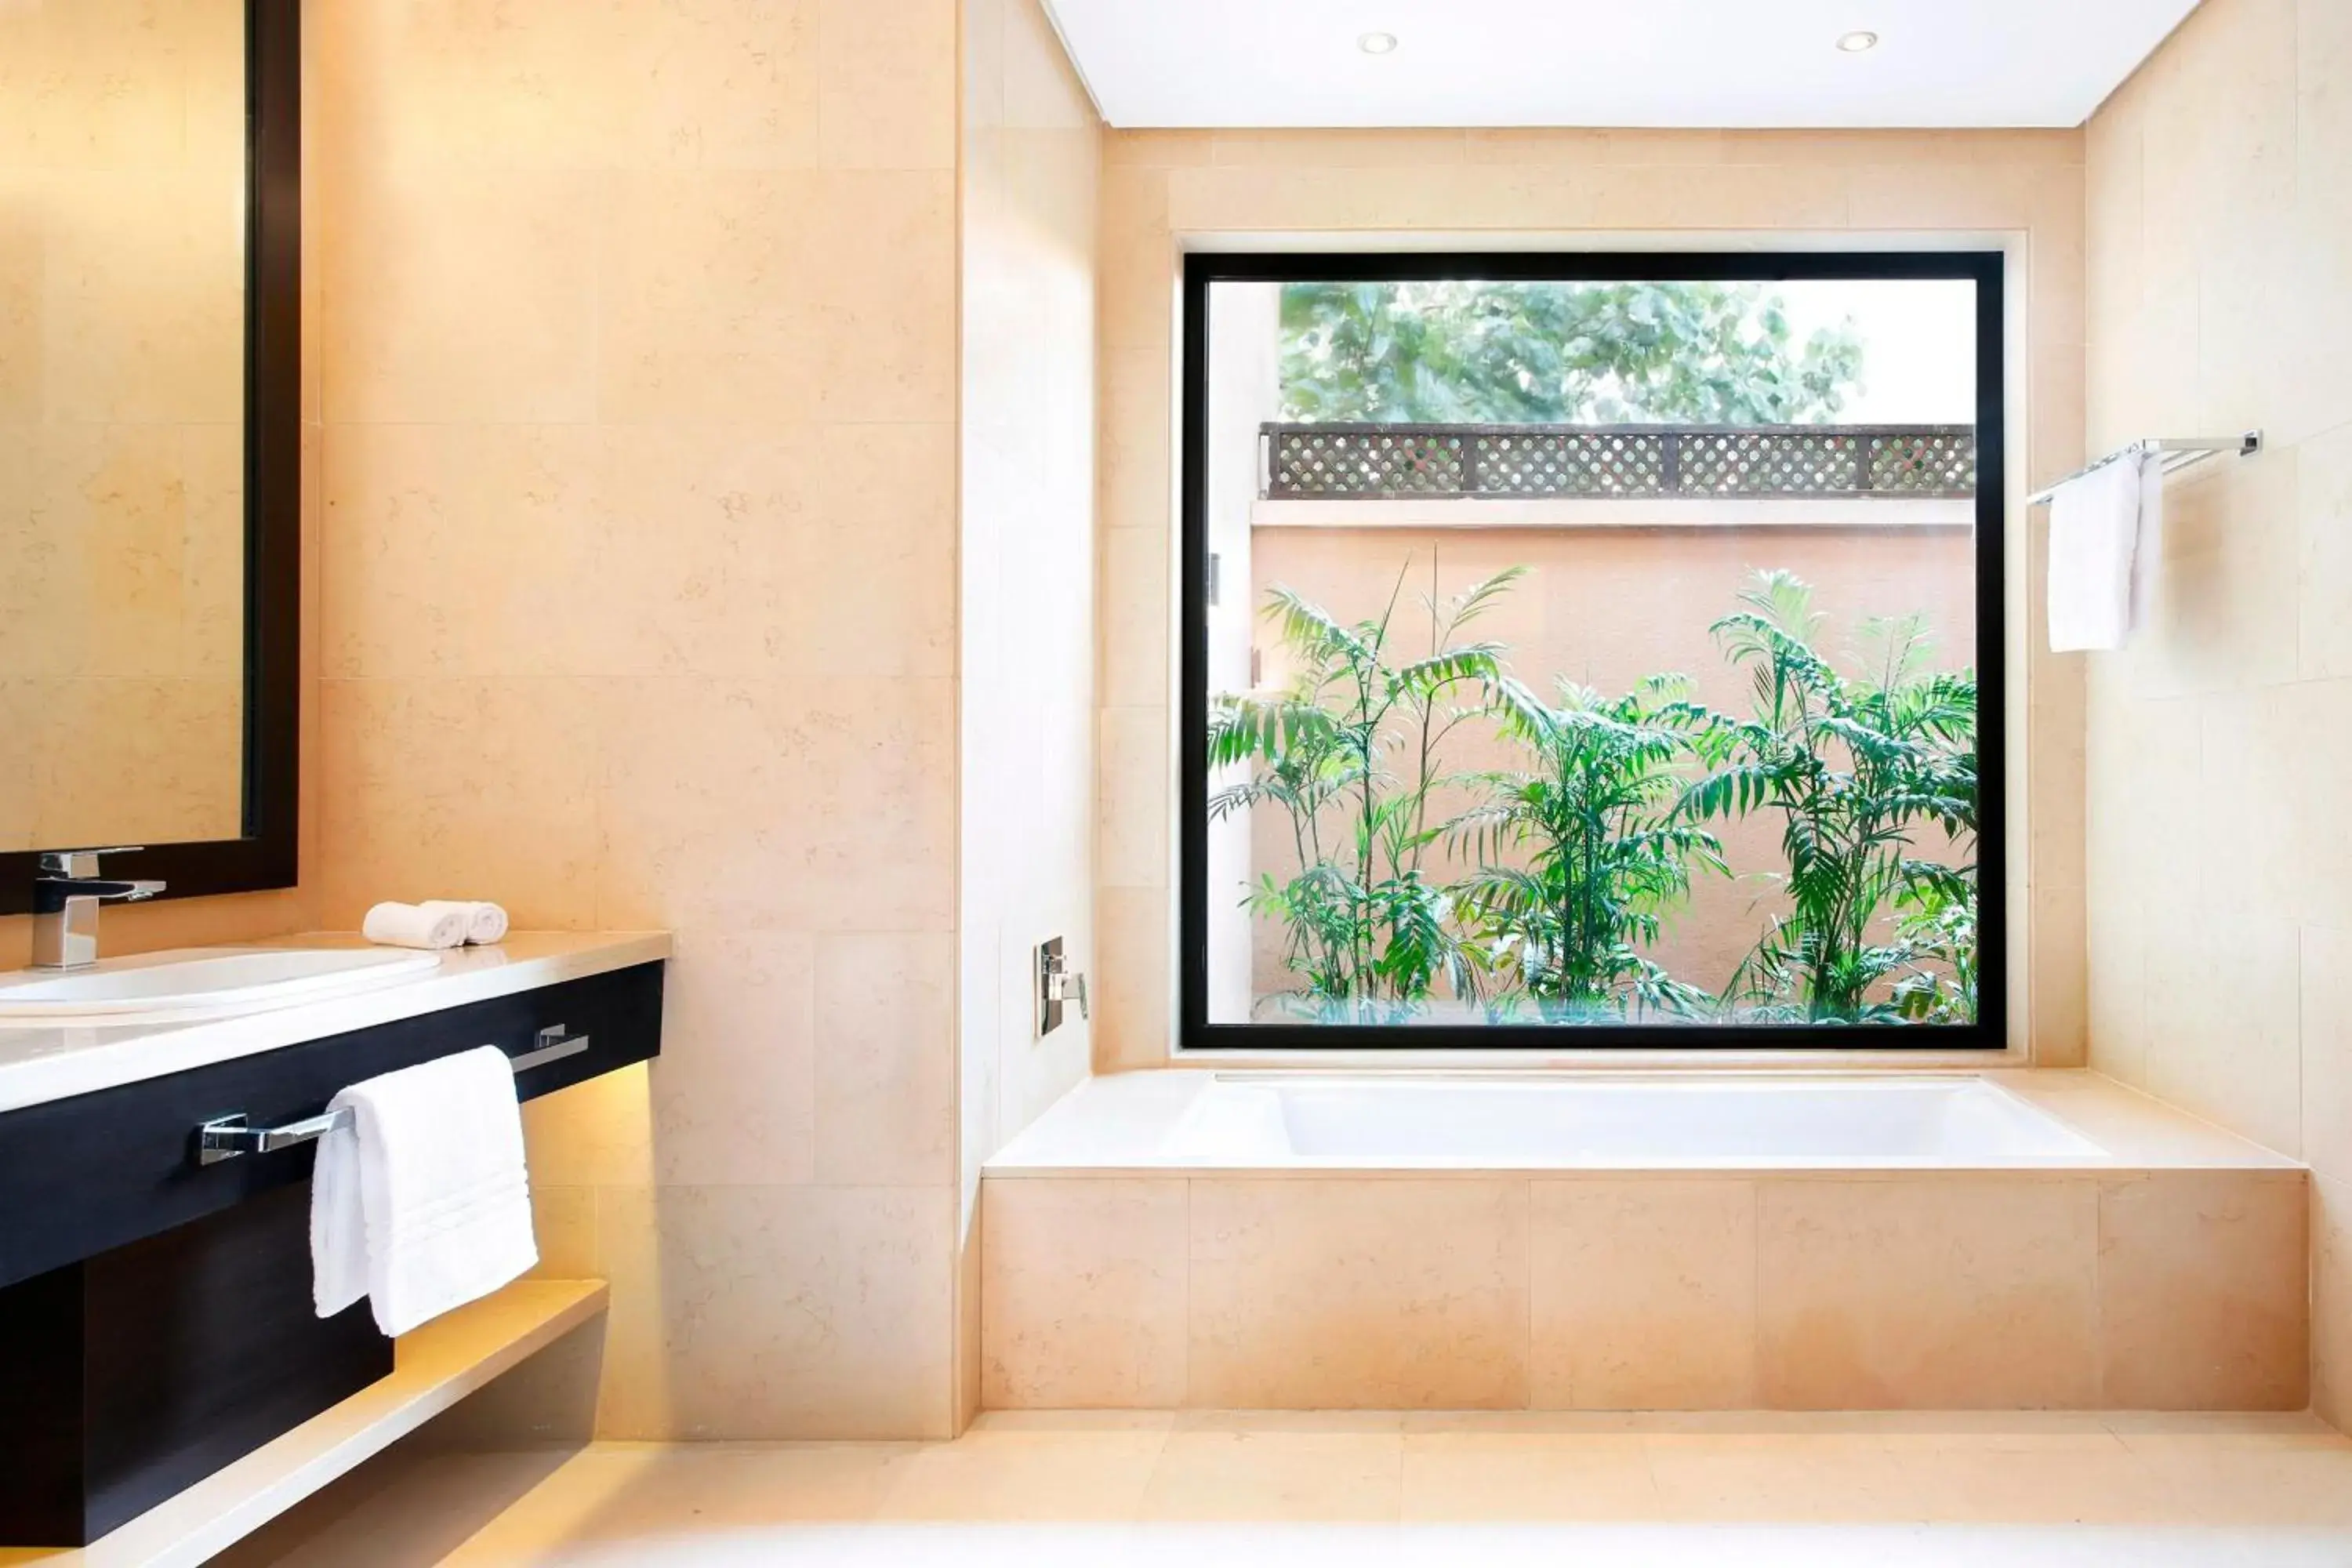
(2105, 535)
(421, 1202)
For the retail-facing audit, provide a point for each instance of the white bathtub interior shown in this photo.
(1409, 1120)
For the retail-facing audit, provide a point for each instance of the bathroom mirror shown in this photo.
(150, 162)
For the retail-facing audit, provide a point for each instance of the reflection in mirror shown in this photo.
(122, 531)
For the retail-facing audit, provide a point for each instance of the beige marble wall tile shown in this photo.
(1340, 149)
(787, 805)
(723, 84)
(1642, 1294)
(2222, 1006)
(1333, 1294)
(1137, 425)
(532, 85)
(1082, 1294)
(778, 1312)
(636, 348)
(735, 1098)
(1973, 1292)
(1156, 149)
(720, 551)
(482, 788)
(564, 1222)
(596, 1134)
(807, 295)
(2331, 1300)
(1132, 849)
(1137, 620)
(1134, 1009)
(2327, 1039)
(2204, 1300)
(887, 71)
(457, 550)
(460, 294)
(2323, 554)
(886, 1059)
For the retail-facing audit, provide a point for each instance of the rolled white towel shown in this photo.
(485, 923)
(415, 925)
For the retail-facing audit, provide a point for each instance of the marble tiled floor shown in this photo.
(1371, 1489)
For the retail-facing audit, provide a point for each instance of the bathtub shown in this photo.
(1712, 1239)
(1697, 1120)
(1691, 1121)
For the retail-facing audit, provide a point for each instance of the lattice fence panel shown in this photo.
(1924, 462)
(1599, 462)
(1619, 461)
(1770, 463)
(1368, 461)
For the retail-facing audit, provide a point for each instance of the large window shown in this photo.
(1592, 650)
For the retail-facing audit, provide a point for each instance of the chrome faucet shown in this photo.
(67, 893)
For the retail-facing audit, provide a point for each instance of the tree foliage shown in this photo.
(1572, 862)
(1606, 853)
(1856, 769)
(1461, 351)
(1349, 754)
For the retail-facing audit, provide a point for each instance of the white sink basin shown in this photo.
(199, 982)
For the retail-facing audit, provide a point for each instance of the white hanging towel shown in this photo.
(421, 1202)
(2106, 535)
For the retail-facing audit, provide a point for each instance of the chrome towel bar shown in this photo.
(228, 1136)
(2178, 452)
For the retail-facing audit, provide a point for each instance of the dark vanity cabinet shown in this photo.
(155, 1312)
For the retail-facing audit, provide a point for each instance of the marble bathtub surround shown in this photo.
(2169, 1274)
(1942, 1290)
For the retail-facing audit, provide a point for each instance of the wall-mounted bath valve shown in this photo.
(1057, 985)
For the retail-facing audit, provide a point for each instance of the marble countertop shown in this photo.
(44, 1063)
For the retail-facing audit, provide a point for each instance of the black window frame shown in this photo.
(1202, 270)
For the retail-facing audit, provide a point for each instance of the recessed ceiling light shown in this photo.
(1858, 43)
(1377, 43)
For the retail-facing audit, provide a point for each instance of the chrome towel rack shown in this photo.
(2179, 452)
(229, 1137)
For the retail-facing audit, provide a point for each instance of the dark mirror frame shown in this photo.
(265, 854)
(1985, 268)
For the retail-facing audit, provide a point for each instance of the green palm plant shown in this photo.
(1604, 852)
(1855, 770)
(1351, 754)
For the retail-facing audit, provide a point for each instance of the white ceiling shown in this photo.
(1609, 62)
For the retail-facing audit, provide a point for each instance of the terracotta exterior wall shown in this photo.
(2220, 870)
(1607, 607)
(1166, 191)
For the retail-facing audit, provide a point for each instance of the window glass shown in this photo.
(1587, 654)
